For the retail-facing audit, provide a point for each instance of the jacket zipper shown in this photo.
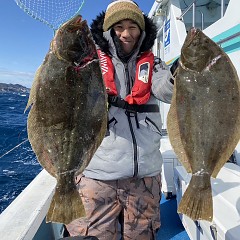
(135, 173)
(135, 161)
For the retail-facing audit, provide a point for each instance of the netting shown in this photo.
(51, 12)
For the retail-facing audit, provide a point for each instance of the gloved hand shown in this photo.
(174, 67)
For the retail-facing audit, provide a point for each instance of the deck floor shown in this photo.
(171, 225)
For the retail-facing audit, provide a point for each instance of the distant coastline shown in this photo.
(5, 87)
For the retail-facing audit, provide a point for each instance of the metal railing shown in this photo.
(193, 7)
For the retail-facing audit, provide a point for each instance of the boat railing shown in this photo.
(193, 7)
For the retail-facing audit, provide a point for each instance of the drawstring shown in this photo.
(133, 114)
(136, 119)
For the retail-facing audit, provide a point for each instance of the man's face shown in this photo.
(128, 33)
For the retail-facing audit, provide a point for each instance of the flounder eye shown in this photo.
(195, 42)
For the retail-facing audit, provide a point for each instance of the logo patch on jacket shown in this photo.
(143, 72)
(141, 90)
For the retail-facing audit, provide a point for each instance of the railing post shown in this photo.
(194, 14)
(202, 20)
(222, 7)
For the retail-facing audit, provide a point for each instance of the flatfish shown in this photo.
(68, 116)
(204, 118)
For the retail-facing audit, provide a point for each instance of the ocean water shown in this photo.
(18, 163)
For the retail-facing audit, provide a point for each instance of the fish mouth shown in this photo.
(193, 35)
(73, 23)
(193, 32)
(79, 19)
(76, 20)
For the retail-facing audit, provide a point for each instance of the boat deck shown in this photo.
(171, 225)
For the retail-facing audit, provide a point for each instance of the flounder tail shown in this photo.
(196, 202)
(66, 204)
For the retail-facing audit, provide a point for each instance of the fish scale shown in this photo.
(204, 118)
(68, 116)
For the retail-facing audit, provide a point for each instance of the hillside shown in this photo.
(5, 87)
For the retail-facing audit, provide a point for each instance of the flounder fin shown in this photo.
(196, 202)
(65, 206)
(33, 91)
(219, 165)
(226, 154)
(234, 136)
(174, 134)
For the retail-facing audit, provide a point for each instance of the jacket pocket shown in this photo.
(111, 123)
(153, 126)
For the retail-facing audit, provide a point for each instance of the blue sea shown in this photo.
(18, 163)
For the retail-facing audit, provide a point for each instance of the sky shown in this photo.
(24, 41)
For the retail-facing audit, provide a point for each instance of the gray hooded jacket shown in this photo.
(131, 147)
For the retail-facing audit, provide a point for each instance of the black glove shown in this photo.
(174, 67)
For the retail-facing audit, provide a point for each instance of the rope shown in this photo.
(13, 148)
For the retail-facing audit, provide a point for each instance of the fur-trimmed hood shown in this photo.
(97, 33)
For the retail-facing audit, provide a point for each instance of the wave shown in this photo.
(18, 165)
(9, 173)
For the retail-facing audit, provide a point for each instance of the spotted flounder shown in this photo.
(68, 116)
(204, 118)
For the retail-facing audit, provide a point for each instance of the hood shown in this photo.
(97, 33)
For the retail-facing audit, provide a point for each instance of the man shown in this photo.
(122, 183)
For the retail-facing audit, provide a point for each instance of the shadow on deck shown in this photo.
(171, 225)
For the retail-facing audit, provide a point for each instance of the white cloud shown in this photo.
(16, 77)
